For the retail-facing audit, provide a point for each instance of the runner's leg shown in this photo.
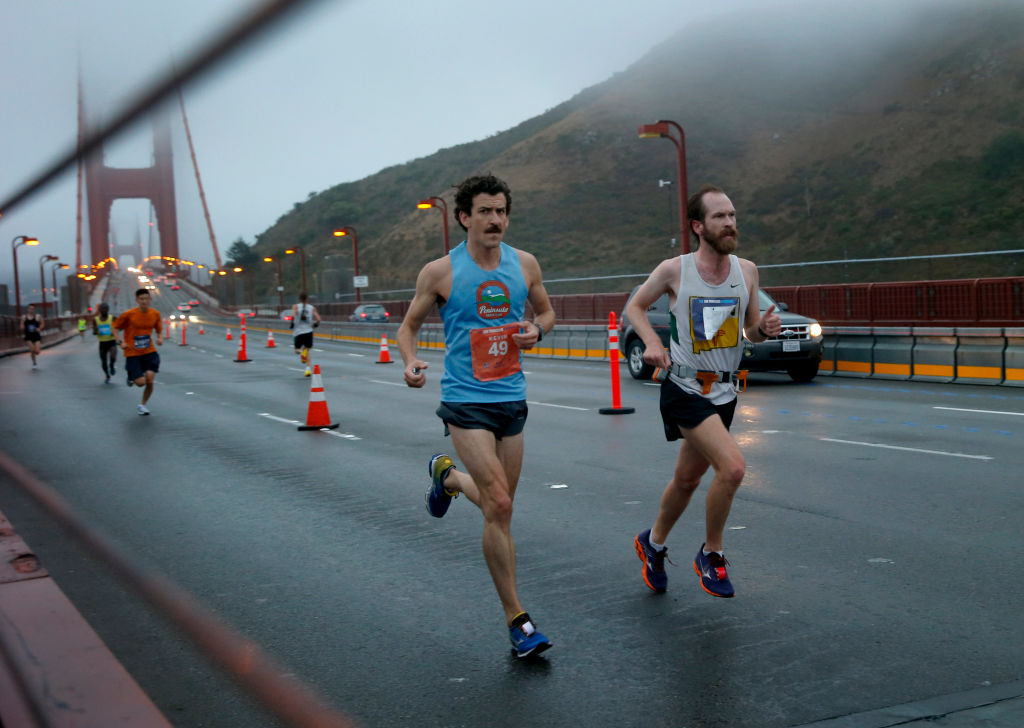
(492, 473)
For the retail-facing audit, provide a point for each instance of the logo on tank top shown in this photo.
(492, 300)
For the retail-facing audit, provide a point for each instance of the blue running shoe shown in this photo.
(439, 497)
(654, 561)
(526, 639)
(713, 577)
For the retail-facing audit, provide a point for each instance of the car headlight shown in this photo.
(815, 330)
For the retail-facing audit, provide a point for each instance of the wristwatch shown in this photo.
(540, 331)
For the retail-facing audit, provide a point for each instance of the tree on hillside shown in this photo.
(241, 254)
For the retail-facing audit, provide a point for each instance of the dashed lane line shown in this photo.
(907, 449)
(978, 411)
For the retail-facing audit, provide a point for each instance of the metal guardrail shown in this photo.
(241, 658)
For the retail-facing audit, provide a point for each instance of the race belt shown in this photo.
(737, 379)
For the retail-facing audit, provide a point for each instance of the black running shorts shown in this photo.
(137, 366)
(680, 408)
(501, 418)
(304, 340)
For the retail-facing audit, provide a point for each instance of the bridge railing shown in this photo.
(963, 302)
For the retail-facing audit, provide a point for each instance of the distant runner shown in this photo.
(32, 327)
(103, 330)
(304, 319)
(134, 330)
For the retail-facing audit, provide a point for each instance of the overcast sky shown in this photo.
(338, 93)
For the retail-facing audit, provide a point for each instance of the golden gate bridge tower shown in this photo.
(104, 185)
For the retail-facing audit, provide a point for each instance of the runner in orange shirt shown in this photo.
(134, 331)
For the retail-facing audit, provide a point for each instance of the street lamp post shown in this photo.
(15, 244)
(663, 130)
(437, 202)
(302, 255)
(42, 277)
(56, 291)
(340, 233)
(280, 287)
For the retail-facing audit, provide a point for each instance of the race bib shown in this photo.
(104, 329)
(31, 327)
(493, 352)
(142, 341)
(714, 323)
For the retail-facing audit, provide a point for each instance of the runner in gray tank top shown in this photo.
(713, 302)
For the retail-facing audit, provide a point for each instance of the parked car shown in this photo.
(369, 312)
(796, 350)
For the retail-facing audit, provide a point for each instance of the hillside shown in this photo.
(837, 134)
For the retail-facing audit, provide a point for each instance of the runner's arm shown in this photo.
(657, 284)
(429, 286)
(543, 313)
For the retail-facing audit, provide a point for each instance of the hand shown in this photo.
(414, 376)
(770, 323)
(657, 356)
(526, 339)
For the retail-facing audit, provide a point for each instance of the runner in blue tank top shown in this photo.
(712, 296)
(481, 289)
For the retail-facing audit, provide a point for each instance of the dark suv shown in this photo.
(796, 350)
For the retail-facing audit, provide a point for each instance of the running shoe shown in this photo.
(654, 561)
(143, 410)
(439, 497)
(526, 639)
(107, 380)
(713, 577)
(308, 372)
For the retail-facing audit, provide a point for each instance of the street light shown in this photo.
(15, 244)
(662, 130)
(443, 206)
(56, 291)
(302, 255)
(238, 269)
(42, 277)
(280, 288)
(340, 233)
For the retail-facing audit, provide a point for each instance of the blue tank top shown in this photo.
(480, 299)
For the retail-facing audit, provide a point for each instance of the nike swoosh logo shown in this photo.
(735, 285)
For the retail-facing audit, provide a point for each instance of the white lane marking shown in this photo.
(560, 406)
(558, 486)
(279, 419)
(359, 355)
(342, 435)
(393, 384)
(908, 449)
(983, 412)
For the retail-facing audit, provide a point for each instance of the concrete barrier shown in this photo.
(853, 353)
(934, 354)
(943, 354)
(979, 355)
(828, 351)
(1013, 357)
(893, 353)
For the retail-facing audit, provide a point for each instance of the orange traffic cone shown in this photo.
(270, 340)
(243, 356)
(228, 337)
(385, 357)
(201, 332)
(317, 416)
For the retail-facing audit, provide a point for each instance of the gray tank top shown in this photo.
(707, 326)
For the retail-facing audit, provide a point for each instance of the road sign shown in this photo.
(360, 281)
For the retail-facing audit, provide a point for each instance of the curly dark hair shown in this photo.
(470, 187)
